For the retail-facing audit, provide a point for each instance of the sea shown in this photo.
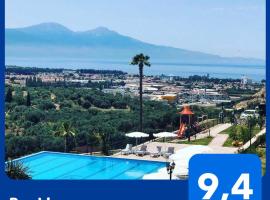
(254, 72)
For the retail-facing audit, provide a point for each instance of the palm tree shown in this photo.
(17, 171)
(66, 130)
(141, 60)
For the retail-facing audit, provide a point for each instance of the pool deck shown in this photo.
(151, 147)
(216, 145)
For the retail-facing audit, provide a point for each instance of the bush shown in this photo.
(20, 145)
(51, 143)
(66, 104)
(86, 104)
(17, 171)
(46, 105)
(119, 105)
(35, 116)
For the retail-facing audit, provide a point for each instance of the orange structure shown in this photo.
(181, 130)
(186, 113)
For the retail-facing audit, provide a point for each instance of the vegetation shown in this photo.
(65, 131)
(261, 152)
(239, 134)
(35, 70)
(99, 120)
(17, 171)
(141, 60)
(9, 95)
(28, 99)
(239, 91)
(203, 141)
(194, 78)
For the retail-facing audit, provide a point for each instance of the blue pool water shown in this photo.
(64, 166)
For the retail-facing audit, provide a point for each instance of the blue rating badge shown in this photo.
(225, 177)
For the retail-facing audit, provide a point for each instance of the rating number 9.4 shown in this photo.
(209, 183)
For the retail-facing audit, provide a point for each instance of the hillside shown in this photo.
(54, 40)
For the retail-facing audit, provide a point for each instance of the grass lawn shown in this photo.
(203, 141)
(227, 131)
(228, 142)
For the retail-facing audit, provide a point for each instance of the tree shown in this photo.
(141, 60)
(104, 132)
(9, 95)
(17, 171)
(46, 105)
(92, 140)
(104, 139)
(260, 122)
(34, 116)
(251, 124)
(65, 131)
(86, 104)
(28, 99)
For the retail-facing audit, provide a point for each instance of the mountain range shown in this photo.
(51, 40)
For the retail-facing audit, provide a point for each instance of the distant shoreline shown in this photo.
(108, 71)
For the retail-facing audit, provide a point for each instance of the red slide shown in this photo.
(181, 130)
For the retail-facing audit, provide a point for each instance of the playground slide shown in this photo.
(181, 130)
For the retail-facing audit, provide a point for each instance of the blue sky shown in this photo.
(225, 27)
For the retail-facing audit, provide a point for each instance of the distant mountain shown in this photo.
(52, 40)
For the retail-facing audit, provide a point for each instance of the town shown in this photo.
(193, 90)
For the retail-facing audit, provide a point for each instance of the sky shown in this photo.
(231, 28)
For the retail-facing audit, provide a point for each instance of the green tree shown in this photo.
(234, 134)
(65, 131)
(92, 140)
(86, 104)
(9, 96)
(261, 122)
(17, 171)
(104, 139)
(243, 133)
(104, 132)
(251, 124)
(141, 60)
(34, 116)
(46, 105)
(28, 99)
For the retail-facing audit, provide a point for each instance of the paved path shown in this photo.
(151, 147)
(214, 131)
(219, 140)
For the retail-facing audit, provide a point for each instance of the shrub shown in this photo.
(86, 104)
(34, 116)
(17, 171)
(46, 105)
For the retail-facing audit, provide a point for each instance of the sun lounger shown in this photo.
(157, 153)
(142, 151)
(169, 152)
(127, 150)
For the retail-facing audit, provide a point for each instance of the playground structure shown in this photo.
(188, 123)
(186, 119)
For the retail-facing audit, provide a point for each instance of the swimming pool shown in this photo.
(66, 166)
